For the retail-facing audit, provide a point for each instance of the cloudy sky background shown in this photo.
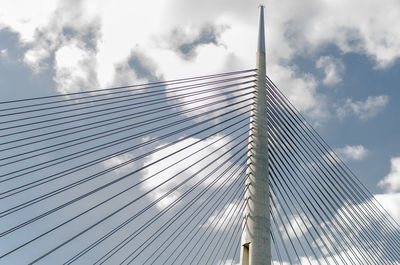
(337, 61)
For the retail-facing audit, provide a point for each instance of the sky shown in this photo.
(337, 61)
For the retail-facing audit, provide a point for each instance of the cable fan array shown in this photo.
(320, 212)
(155, 174)
(130, 175)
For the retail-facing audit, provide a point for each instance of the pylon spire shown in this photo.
(256, 243)
(261, 32)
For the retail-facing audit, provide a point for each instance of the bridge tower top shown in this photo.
(256, 243)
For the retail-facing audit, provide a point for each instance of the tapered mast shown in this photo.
(256, 243)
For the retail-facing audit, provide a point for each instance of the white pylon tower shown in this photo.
(256, 242)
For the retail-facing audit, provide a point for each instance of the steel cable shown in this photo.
(120, 118)
(128, 204)
(208, 175)
(167, 88)
(112, 168)
(197, 225)
(136, 184)
(117, 248)
(140, 104)
(113, 143)
(338, 189)
(320, 200)
(123, 87)
(111, 132)
(328, 151)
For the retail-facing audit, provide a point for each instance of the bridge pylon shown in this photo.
(256, 242)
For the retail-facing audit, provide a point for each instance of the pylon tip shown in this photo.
(261, 34)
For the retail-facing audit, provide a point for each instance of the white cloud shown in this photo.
(118, 160)
(390, 203)
(368, 31)
(3, 53)
(352, 152)
(35, 56)
(330, 259)
(333, 69)
(296, 226)
(195, 163)
(90, 40)
(300, 90)
(64, 38)
(228, 262)
(363, 109)
(350, 256)
(25, 20)
(222, 219)
(392, 181)
(212, 96)
(74, 69)
(115, 30)
(275, 262)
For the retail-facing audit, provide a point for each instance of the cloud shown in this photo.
(296, 226)
(364, 110)
(228, 262)
(333, 69)
(74, 69)
(275, 262)
(352, 152)
(101, 43)
(136, 69)
(301, 90)
(390, 203)
(204, 37)
(10, 48)
(66, 44)
(217, 99)
(391, 182)
(207, 43)
(350, 256)
(220, 219)
(25, 20)
(312, 25)
(3, 53)
(69, 24)
(370, 222)
(118, 160)
(185, 41)
(190, 167)
(100, 31)
(294, 86)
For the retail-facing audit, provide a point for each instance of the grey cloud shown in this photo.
(68, 24)
(68, 28)
(143, 66)
(88, 35)
(9, 42)
(16, 79)
(186, 45)
(333, 69)
(136, 66)
(369, 31)
(363, 109)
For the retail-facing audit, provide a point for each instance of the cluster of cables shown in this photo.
(156, 173)
(320, 212)
(144, 174)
